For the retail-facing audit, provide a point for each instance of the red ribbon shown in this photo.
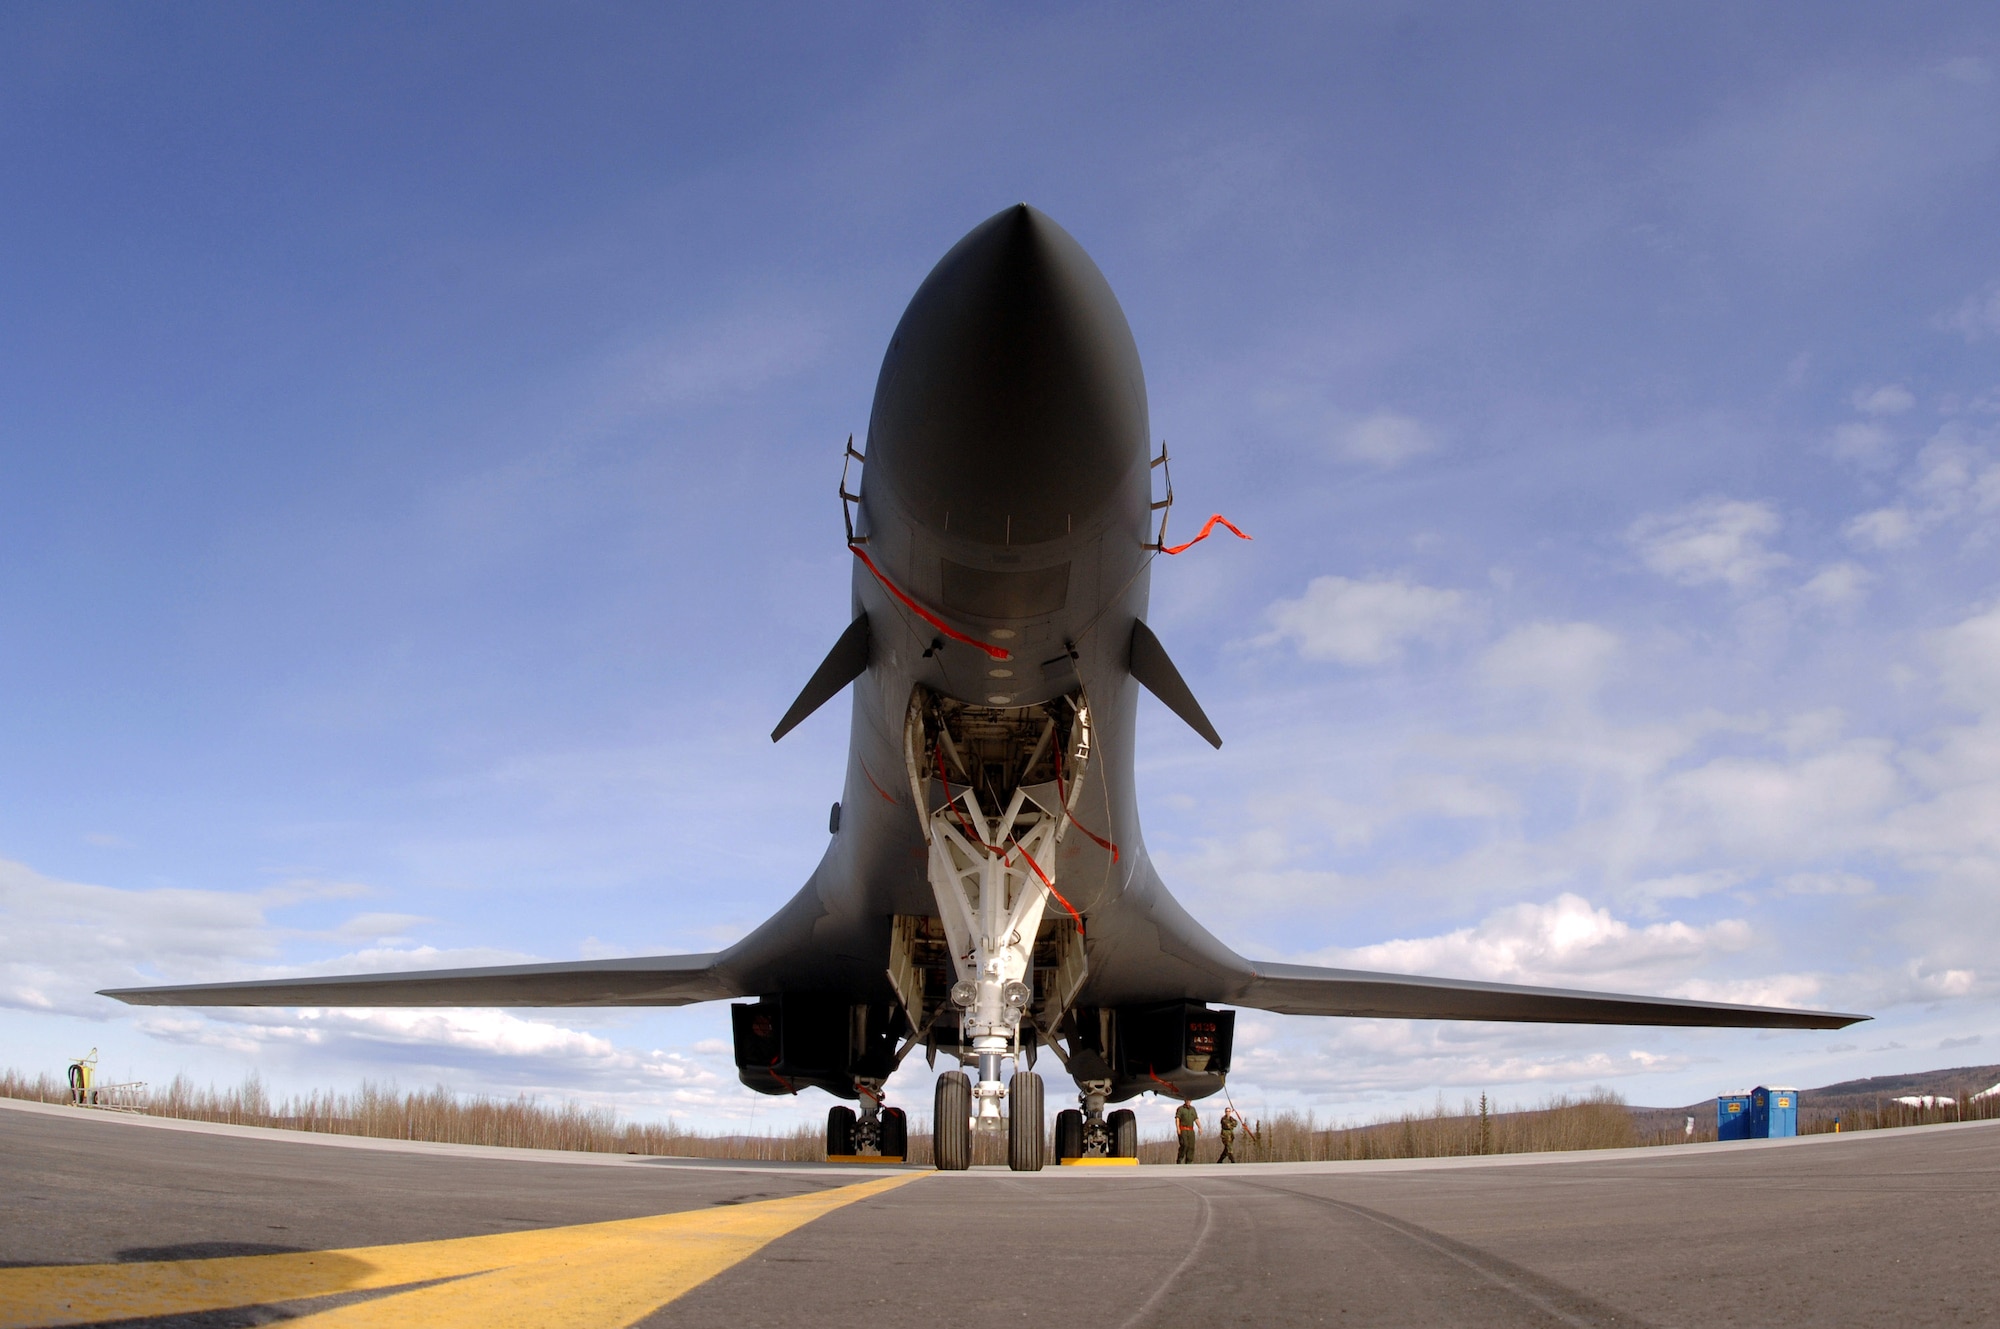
(1046, 882)
(887, 797)
(932, 619)
(1207, 527)
(1063, 798)
(952, 803)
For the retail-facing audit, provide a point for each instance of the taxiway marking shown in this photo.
(581, 1277)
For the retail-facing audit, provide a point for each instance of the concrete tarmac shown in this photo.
(1875, 1227)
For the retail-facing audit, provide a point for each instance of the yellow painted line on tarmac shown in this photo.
(588, 1276)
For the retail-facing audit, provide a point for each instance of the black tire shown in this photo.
(951, 1123)
(1069, 1134)
(895, 1133)
(1124, 1133)
(1026, 1144)
(839, 1131)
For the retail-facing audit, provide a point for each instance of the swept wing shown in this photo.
(656, 980)
(1298, 989)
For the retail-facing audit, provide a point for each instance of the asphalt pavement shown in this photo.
(112, 1220)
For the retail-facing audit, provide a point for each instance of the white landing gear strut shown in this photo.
(994, 875)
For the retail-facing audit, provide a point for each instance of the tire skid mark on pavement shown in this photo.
(585, 1276)
(1564, 1305)
(1203, 1224)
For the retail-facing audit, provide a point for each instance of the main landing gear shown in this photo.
(1090, 1133)
(877, 1131)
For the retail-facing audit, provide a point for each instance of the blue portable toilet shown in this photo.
(1732, 1117)
(1774, 1113)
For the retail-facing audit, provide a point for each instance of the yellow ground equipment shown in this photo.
(85, 1091)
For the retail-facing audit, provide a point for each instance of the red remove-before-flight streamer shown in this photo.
(1208, 526)
(925, 614)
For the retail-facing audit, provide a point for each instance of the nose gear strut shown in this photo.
(994, 873)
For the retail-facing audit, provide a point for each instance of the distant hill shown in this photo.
(1827, 1101)
(1960, 1082)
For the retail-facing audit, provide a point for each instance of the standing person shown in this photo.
(1186, 1121)
(1228, 1135)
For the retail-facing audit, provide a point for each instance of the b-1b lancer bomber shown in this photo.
(987, 895)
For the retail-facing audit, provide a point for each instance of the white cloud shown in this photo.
(1788, 857)
(1686, 885)
(1713, 540)
(1946, 471)
(1812, 731)
(1977, 315)
(1827, 883)
(1884, 528)
(1362, 622)
(1926, 982)
(1812, 169)
(1356, 1062)
(1565, 940)
(1968, 656)
(62, 940)
(488, 1034)
(1968, 69)
(1863, 442)
(1954, 476)
(1892, 399)
(1837, 586)
(1747, 806)
(740, 351)
(380, 926)
(1564, 659)
(471, 1050)
(1385, 439)
(1761, 990)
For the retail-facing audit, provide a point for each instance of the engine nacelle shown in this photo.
(798, 1040)
(1181, 1048)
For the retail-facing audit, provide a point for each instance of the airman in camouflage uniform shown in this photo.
(1186, 1122)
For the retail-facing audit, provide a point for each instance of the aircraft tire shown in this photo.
(1024, 1122)
(839, 1130)
(951, 1123)
(895, 1133)
(1124, 1133)
(1069, 1134)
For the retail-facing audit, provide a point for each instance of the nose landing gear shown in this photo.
(1024, 1122)
(954, 1122)
(995, 789)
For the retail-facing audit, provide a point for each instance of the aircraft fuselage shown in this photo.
(1007, 489)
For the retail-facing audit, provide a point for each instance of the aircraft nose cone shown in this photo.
(1011, 407)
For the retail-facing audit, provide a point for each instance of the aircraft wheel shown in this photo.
(895, 1133)
(1024, 1122)
(1069, 1134)
(1124, 1133)
(839, 1130)
(951, 1123)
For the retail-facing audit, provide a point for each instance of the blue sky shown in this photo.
(418, 431)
